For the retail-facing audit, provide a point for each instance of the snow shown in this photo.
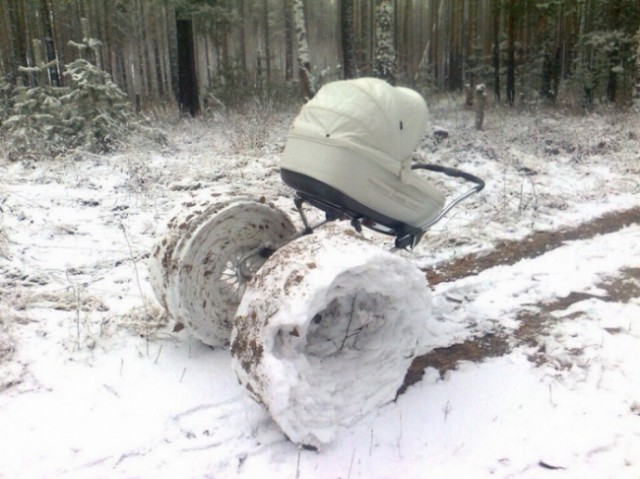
(96, 382)
(327, 310)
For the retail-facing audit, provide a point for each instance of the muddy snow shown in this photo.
(97, 381)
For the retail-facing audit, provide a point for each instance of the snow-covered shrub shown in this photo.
(91, 114)
(606, 68)
(5, 98)
(384, 66)
(34, 125)
(97, 114)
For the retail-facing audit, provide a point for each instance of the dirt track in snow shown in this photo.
(621, 288)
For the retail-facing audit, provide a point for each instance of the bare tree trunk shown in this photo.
(267, 44)
(347, 37)
(187, 83)
(407, 46)
(19, 40)
(384, 66)
(511, 52)
(372, 33)
(637, 85)
(307, 81)
(481, 100)
(49, 45)
(497, 12)
(162, 53)
(472, 48)
(5, 42)
(615, 10)
(288, 40)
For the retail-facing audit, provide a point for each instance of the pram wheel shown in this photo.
(200, 269)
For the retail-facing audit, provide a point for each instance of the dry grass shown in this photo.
(149, 322)
(6, 343)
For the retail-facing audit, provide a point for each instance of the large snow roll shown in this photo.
(326, 331)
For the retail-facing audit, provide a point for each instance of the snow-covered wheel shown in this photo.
(200, 268)
(326, 331)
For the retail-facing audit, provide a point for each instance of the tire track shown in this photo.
(533, 324)
(534, 245)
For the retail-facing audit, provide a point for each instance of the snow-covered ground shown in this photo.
(95, 381)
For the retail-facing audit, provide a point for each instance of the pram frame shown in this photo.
(339, 206)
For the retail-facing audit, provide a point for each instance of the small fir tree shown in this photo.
(33, 124)
(91, 113)
(385, 58)
(97, 113)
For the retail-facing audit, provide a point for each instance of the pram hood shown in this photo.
(367, 115)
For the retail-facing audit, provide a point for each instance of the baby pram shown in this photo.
(349, 153)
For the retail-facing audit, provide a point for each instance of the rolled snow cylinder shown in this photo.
(200, 267)
(326, 331)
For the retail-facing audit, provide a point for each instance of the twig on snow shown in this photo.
(371, 442)
(76, 291)
(551, 397)
(298, 464)
(446, 409)
(353, 455)
(346, 334)
(135, 268)
(128, 455)
(399, 442)
(551, 467)
(158, 355)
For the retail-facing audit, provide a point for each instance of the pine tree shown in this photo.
(33, 125)
(348, 38)
(91, 113)
(385, 57)
(96, 111)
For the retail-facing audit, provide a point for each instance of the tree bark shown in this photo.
(19, 40)
(5, 42)
(497, 12)
(49, 45)
(307, 80)
(187, 83)
(267, 44)
(511, 53)
(348, 38)
(288, 39)
(481, 100)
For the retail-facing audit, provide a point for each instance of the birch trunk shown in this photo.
(307, 80)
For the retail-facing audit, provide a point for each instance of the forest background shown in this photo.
(204, 54)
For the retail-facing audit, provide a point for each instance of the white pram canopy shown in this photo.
(366, 114)
(357, 136)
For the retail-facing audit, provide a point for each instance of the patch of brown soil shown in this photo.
(510, 252)
(446, 359)
(6, 345)
(533, 323)
(10, 373)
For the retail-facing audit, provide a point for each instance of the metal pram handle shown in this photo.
(454, 173)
